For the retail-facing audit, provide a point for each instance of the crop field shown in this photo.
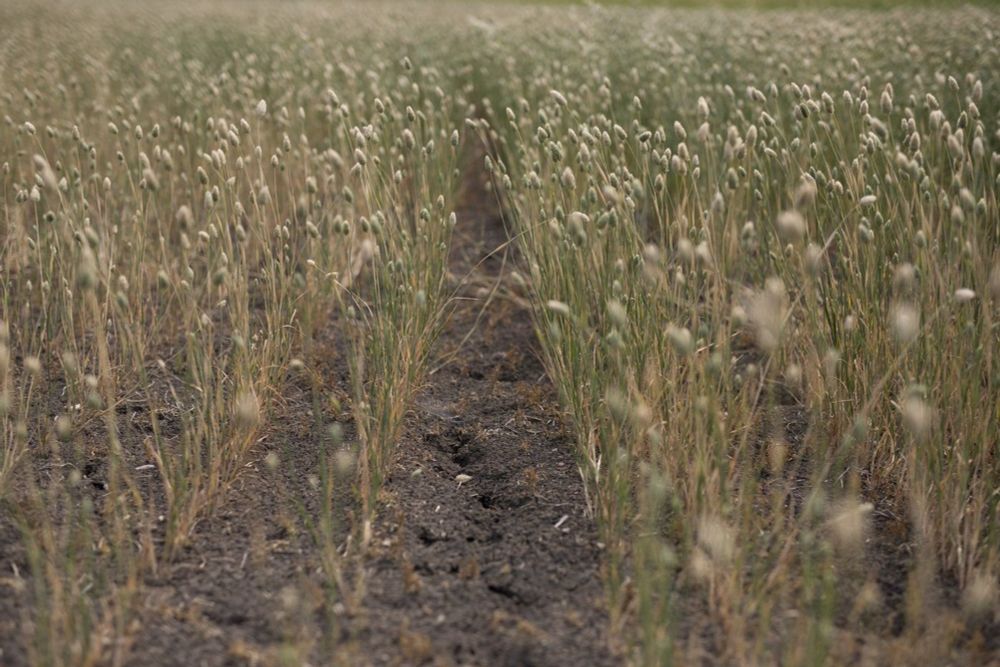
(459, 333)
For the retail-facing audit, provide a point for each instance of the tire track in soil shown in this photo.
(477, 572)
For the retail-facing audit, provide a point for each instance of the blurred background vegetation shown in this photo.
(773, 4)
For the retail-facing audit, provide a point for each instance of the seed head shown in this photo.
(717, 539)
(917, 416)
(558, 307)
(767, 312)
(849, 524)
(979, 599)
(568, 179)
(64, 428)
(905, 322)
(680, 339)
(617, 314)
(791, 226)
(964, 295)
(247, 410)
(33, 366)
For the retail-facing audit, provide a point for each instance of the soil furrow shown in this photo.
(484, 553)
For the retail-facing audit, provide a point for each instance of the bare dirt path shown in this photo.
(483, 552)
